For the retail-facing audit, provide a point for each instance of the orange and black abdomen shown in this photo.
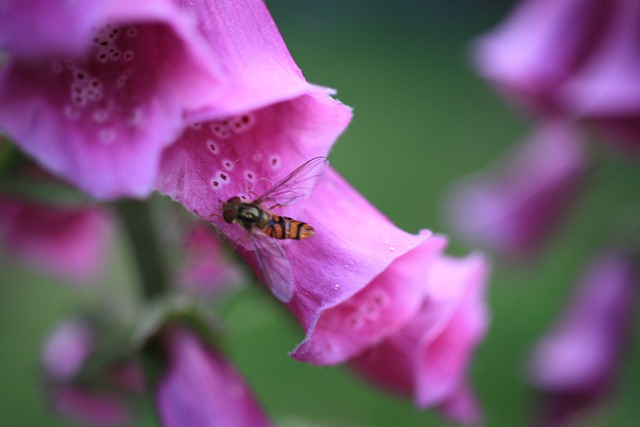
(282, 227)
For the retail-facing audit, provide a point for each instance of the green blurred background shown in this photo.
(422, 118)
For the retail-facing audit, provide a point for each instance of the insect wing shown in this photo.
(276, 270)
(297, 185)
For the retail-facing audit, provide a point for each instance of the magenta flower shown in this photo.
(98, 110)
(588, 73)
(90, 408)
(94, 401)
(357, 277)
(427, 358)
(206, 269)
(575, 364)
(514, 207)
(70, 242)
(200, 388)
(67, 349)
(606, 89)
(530, 54)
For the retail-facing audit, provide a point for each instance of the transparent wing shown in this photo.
(276, 270)
(297, 185)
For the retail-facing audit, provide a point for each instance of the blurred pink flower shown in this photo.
(90, 408)
(588, 73)
(70, 242)
(575, 365)
(515, 206)
(206, 269)
(67, 349)
(103, 401)
(606, 90)
(200, 388)
(428, 357)
(531, 54)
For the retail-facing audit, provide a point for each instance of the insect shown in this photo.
(265, 228)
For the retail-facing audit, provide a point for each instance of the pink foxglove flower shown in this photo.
(576, 363)
(357, 277)
(200, 388)
(245, 152)
(70, 242)
(66, 353)
(428, 357)
(90, 408)
(514, 207)
(206, 269)
(530, 54)
(606, 89)
(67, 349)
(96, 90)
(588, 73)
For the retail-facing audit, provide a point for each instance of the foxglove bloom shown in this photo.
(246, 152)
(357, 261)
(67, 241)
(530, 54)
(589, 73)
(575, 364)
(514, 207)
(427, 358)
(606, 89)
(95, 91)
(200, 388)
(66, 353)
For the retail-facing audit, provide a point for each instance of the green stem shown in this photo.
(136, 219)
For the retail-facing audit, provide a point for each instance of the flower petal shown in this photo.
(576, 364)
(606, 90)
(101, 118)
(67, 349)
(90, 408)
(513, 207)
(530, 54)
(69, 242)
(258, 68)
(428, 357)
(200, 388)
(582, 350)
(207, 270)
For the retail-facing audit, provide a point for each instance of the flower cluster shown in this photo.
(573, 66)
(202, 102)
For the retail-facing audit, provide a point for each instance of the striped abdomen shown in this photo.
(282, 227)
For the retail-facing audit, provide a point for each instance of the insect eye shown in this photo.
(229, 215)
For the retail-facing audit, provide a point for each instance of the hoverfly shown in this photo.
(265, 228)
